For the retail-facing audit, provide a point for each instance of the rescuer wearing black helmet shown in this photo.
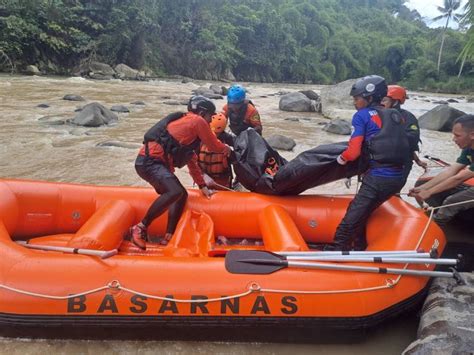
(378, 135)
(173, 142)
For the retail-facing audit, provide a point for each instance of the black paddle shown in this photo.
(259, 262)
(254, 262)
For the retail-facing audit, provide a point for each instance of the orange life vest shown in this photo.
(211, 163)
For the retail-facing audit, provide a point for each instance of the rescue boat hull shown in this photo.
(180, 284)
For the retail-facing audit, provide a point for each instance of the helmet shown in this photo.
(236, 94)
(200, 104)
(396, 92)
(218, 123)
(371, 85)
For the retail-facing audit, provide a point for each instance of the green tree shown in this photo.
(468, 50)
(319, 41)
(448, 13)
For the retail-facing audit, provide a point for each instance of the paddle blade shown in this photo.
(253, 262)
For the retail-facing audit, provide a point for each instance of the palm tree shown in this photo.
(468, 50)
(447, 12)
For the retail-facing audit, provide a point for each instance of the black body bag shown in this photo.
(255, 162)
(314, 167)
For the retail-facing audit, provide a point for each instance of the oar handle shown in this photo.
(359, 253)
(375, 270)
(350, 256)
(103, 254)
(388, 259)
(257, 262)
(437, 160)
(396, 253)
(109, 253)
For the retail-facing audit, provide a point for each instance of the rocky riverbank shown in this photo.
(447, 321)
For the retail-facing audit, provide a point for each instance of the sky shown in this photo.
(428, 9)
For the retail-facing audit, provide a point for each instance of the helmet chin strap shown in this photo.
(207, 116)
(372, 102)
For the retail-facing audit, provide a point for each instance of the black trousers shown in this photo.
(173, 195)
(373, 192)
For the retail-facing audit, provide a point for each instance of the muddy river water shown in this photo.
(33, 148)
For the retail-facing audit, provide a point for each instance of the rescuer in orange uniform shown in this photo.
(217, 165)
(170, 143)
(396, 97)
(241, 112)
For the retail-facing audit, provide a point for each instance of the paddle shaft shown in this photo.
(330, 254)
(390, 259)
(437, 161)
(102, 254)
(402, 253)
(223, 187)
(375, 270)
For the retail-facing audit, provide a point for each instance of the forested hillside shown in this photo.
(306, 41)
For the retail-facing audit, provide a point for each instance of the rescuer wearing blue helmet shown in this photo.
(241, 112)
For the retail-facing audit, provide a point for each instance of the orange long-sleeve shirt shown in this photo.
(186, 130)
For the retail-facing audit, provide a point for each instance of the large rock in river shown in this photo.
(97, 70)
(72, 97)
(447, 322)
(336, 101)
(123, 71)
(440, 118)
(338, 126)
(295, 102)
(277, 141)
(310, 94)
(207, 92)
(32, 70)
(120, 108)
(94, 115)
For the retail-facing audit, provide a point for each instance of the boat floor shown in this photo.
(155, 248)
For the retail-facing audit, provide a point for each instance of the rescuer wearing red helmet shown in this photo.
(396, 96)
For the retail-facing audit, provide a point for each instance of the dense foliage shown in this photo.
(318, 41)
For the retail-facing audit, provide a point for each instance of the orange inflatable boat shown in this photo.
(186, 282)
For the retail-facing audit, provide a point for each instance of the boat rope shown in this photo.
(430, 219)
(389, 283)
(42, 295)
(451, 204)
(217, 299)
(115, 285)
(252, 288)
(432, 211)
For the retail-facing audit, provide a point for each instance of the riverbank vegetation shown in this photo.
(305, 41)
